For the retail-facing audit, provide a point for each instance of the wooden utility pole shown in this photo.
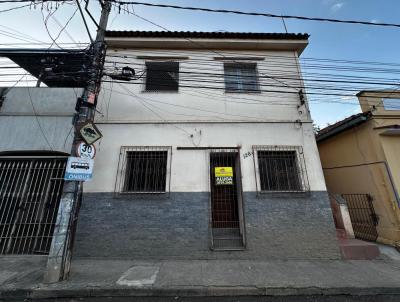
(59, 256)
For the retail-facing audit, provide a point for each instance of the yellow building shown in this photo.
(360, 156)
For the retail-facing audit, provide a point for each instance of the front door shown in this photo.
(225, 197)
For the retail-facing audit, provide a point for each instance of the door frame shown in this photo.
(239, 189)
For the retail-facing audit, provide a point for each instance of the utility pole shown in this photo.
(58, 263)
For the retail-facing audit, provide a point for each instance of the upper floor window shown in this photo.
(391, 104)
(241, 77)
(162, 76)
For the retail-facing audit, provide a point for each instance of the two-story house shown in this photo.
(208, 152)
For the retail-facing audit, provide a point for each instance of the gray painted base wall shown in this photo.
(177, 227)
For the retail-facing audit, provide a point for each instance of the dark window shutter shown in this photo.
(162, 76)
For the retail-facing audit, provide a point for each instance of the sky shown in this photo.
(328, 40)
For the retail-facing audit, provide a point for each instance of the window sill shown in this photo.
(142, 193)
(160, 91)
(283, 191)
(242, 92)
(282, 194)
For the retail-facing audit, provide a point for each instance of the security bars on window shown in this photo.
(280, 169)
(143, 170)
(241, 77)
(162, 76)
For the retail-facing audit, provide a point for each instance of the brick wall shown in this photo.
(283, 226)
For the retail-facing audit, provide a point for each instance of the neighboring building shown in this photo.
(36, 135)
(360, 158)
(205, 154)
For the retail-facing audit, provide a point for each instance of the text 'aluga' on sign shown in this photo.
(223, 176)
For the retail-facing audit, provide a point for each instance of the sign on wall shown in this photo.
(79, 169)
(223, 176)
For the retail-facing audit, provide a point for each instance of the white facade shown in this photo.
(37, 119)
(198, 215)
(203, 117)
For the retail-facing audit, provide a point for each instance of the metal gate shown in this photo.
(30, 192)
(226, 200)
(362, 215)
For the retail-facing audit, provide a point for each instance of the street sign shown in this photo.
(79, 169)
(223, 176)
(90, 133)
(85, 150)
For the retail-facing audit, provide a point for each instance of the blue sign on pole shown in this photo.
(79, 169)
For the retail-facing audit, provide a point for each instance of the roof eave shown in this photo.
(341, 128)
(207, 43)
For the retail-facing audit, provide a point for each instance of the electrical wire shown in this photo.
(155, 113)
(37, 120)
(191, 41)
(207, 61)
(191, 108)
(200, 75)
(14, 8)
(214, 88)
(269, 15)
(344, 79)
(284, 83)
(261, 56)
(33, 2)
(66, 31)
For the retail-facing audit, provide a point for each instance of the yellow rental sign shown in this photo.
(223, 172)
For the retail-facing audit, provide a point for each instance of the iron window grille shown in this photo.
(162, 76)
(241, 77)
(143, 170)
(280, 169)
(30, 193)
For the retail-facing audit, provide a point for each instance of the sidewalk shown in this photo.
(95, 278)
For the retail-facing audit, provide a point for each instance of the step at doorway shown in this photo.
(226, 200)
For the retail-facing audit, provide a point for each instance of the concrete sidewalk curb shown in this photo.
(193, 291)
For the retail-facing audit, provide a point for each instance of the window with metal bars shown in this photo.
(162, 76)
(280, 169)
(241, 77)
(144, 170)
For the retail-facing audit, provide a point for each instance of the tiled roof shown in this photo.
(343, 125)
(206, 35)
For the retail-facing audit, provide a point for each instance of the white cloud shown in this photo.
(347, 98)
(337, 6)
